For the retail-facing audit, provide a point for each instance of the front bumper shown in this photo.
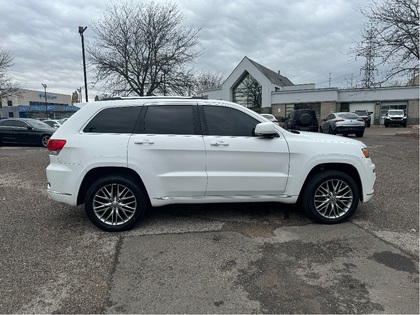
(396, 121)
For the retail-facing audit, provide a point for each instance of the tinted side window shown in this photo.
(13, 123)
(114, 120)
(168, 119)
(225, 121)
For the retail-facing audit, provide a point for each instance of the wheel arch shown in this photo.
(342, 167)
(96, 173)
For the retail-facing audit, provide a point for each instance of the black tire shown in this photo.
(320, 129)
(360, 134)
(330, 197)
(305, 119)
(331, 131)
(404, 125)
(44, 140)
(368, 124)
(386, 124)
(106, 209)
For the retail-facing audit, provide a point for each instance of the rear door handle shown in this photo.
(219, 144)
(144, 141)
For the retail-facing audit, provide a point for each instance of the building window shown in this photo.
(9, 103)
(248, 92)
(344, 107)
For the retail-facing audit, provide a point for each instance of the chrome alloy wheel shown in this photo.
(333, 198)
(44, 140)
(114, 204)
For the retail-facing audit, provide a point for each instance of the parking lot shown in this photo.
(224, 258)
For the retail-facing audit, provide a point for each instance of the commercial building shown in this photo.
(37, 104)
(266, 91)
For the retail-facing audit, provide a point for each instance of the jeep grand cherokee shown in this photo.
(120, 157)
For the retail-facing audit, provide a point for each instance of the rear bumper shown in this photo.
(310, 128)
(62, 178)
(61, 196)
(349, 129)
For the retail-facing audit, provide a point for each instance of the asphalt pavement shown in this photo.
(223, 258)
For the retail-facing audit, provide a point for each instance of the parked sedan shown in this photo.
(271, 118)
(343, 123)
(53, 123)
(25, 131)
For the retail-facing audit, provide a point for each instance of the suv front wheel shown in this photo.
(330, 197)
(115, 203)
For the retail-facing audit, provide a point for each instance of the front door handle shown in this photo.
(144, 141)
(219, 144)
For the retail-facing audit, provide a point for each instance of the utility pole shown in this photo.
(81, 30)
(45, 99)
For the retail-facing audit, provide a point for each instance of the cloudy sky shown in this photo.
(309, 41)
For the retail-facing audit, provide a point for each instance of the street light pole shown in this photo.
(81, 30)
(45, 99)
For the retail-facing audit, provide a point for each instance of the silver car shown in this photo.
(343, 123)
(271, 118)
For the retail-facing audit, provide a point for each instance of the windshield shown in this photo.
(396, 112)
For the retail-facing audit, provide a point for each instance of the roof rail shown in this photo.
(116, 98)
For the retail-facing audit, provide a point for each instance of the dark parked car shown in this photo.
(301, 119)
(25, 131)
(365, 115)
(343, 123)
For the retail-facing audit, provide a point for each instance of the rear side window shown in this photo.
(114, 120)
(168, 119)
(13, 123)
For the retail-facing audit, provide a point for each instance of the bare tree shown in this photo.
(395, 27)
(206, 80)
(143, 49)
(8, 88)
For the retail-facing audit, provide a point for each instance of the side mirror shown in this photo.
(266, 129)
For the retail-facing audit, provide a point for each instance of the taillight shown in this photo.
(338, 120)
(360, 119)
(55, 146)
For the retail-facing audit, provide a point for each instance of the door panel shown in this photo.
(246, 166)
(172, 165)
(168, 151)
(239, 164)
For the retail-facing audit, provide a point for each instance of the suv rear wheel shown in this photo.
(330, 197)
(114, 203)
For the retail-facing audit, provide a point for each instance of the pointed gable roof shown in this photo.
(273, 76)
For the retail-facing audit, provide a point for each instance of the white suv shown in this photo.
(119, 157)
